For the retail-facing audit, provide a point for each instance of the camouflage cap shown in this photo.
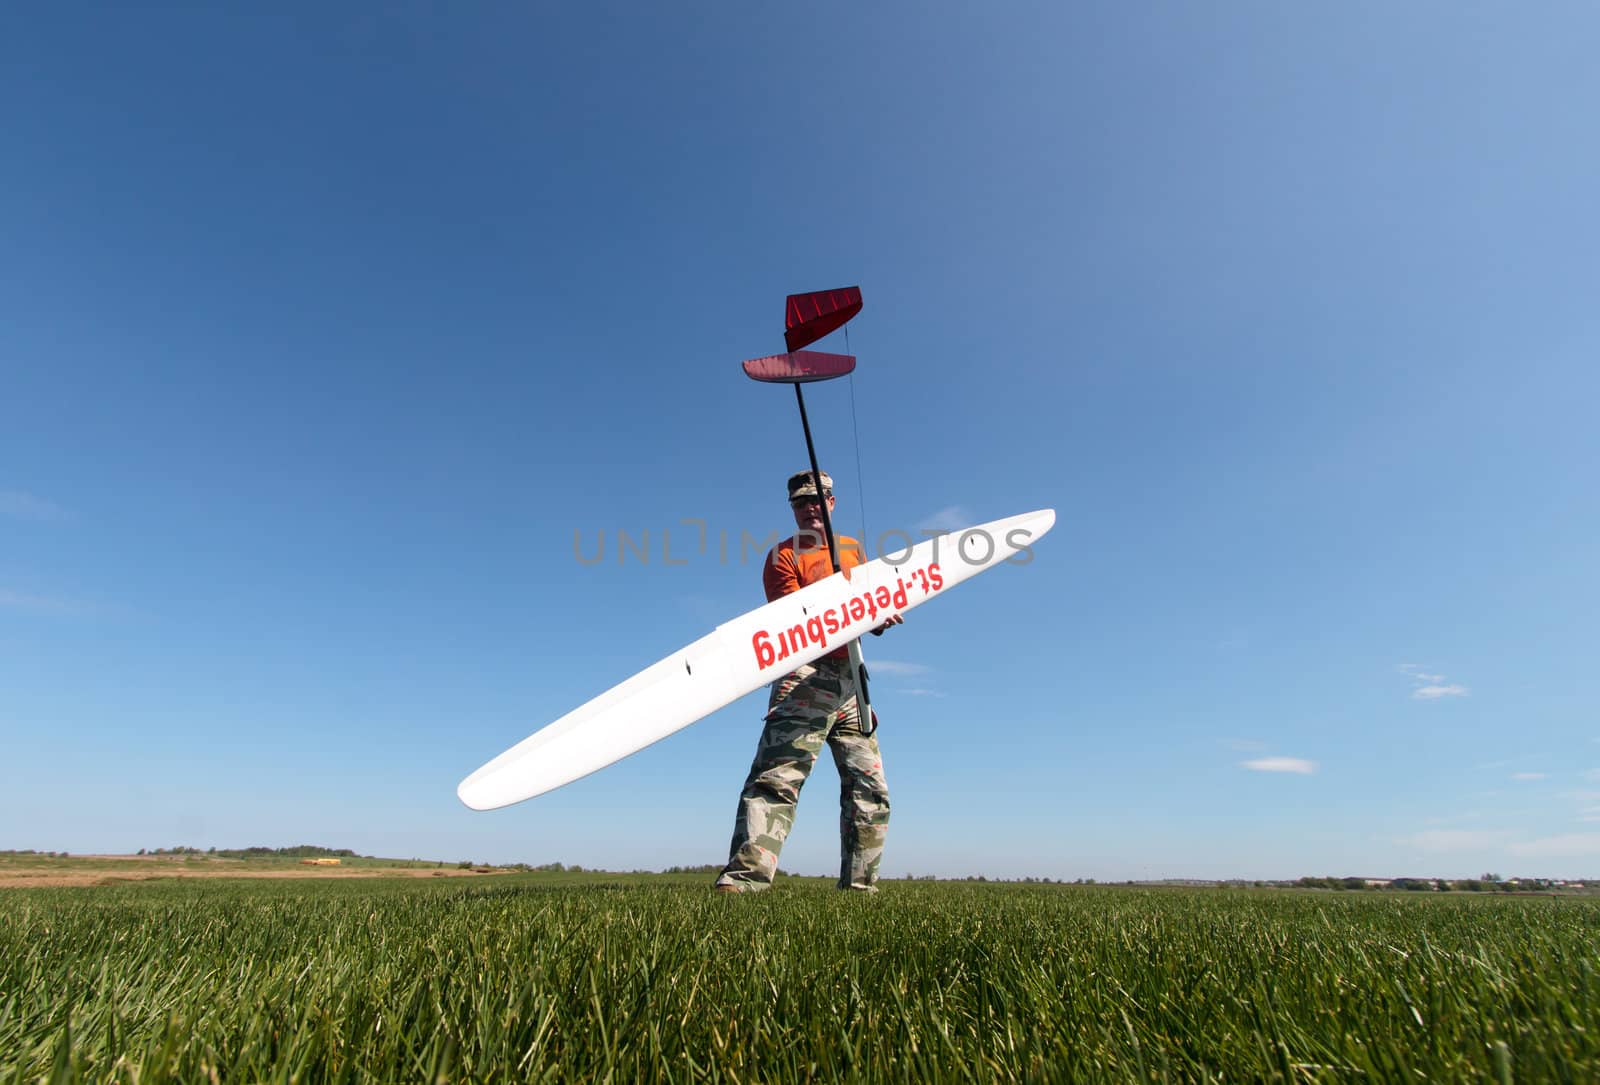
(801, 485)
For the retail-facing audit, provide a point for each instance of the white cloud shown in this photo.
(1593, 776)
(1567, 845)
(21, 505)
(1529, 776)
(1281, 764)
(1430, 687)
(920, 692)
(952, 518)
(894, 666)
(1589, 813)
(1433, 693)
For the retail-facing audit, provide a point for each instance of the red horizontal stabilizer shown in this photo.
(800, 367)
(808, 317)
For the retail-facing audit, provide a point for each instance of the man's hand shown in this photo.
(896, 620)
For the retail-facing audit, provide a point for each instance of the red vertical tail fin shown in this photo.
(808, 317)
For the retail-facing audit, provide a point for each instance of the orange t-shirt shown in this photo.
(790, 567)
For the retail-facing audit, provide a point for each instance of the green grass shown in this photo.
(586, 977)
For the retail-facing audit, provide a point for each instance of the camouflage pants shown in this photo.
(808, 708)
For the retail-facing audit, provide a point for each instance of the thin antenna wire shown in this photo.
(855, 434)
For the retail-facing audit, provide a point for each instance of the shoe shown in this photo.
(728, 889)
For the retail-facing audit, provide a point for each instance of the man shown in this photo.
(815, 704)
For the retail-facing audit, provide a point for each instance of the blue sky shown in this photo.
(326, 335)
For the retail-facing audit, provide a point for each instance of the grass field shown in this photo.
(26, 870)
(593, 977)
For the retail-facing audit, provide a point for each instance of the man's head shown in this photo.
(802, 485)
(805, 502)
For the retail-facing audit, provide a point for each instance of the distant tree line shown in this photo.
(1488, 883)
(299, 851)
(1485, 883)
(1027, 880)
